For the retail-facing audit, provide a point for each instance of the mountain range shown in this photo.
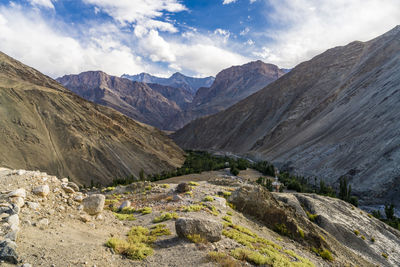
(166, 107)
(178, 80)
(45, 126)
(334, 115)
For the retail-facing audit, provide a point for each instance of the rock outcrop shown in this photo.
(210, 230)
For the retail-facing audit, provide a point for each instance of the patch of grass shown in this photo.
(127, 210)
(208, 198)
(165, 186)
(196, 238)
(301, 232)
(226, 194)
(192, 208)
(147, 187)
(385, 255)
(213, 210)
(311, 217)
(145, 210)
(193, 183)
(322, 238)
(124, 217)
(227, 218)
(165, 217)
(189, 193)
(139, 241)
(108, 189)
(323, 253)
(363, 237)
(356, 232)
(281, 229)
(159, 230)
(230, 213)
(370, 215)
(372, 239)
(231, 205)
(222, 259)
(326, 255)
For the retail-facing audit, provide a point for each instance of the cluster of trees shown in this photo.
(390, 219)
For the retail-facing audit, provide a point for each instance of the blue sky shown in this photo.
(195, 37)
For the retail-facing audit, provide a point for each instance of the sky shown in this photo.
(195, 37)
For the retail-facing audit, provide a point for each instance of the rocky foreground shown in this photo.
(226, 221)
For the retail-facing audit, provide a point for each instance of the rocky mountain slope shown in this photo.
(232, 85)
(45, 126)
(178, 80)
(331, 116)
(166, 107)
(46, 221)
(152, 104)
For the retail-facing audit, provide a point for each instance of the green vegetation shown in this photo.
(213, 210)
(193, 183)
(196, 238)
(165, 217)
(159, 230)
(301, 232)
(323, 253)
(227, 218)
(356, 232)
(234, 170)
(165, 186)
(281, 229)
(208, 199)
(311, 216)
(145, 210)
(139, 241)
(108, 189)
(222, 259)
(373, 239)
(125, 217)
(192, 208)
(345, 192)
(362, 237)
(226, 194)
(390, 219)
(385, 255)
(229, 213)
(147, 188)
(266, 182)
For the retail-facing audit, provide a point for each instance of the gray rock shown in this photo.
(42, 190)
(18, 193)
(19, 201)
(94, 204)
(209, 229)
(74, 186)
(67, 189)
(33, 205)
(177, 198)
(7, 251)
(125, 204)
(12, 235)
(183, 187)
(78, 198)
(13, 220)
(26, 265)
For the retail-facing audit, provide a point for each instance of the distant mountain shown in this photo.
(153, 104)
(177, 80)
(45, 126)
(337, 114)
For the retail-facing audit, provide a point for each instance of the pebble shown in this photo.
(20, 192)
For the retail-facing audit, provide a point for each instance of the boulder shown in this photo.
(41, 190)
(125, 204)
(67, 189)
(94, 204)
(209, 229)
(183, 187)
(7, 251)
(18, 193)
(74, 186)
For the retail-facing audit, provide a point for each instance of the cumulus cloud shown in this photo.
(42, 3)
(144, 13)
(27, 37)
(306, 28)
(226, 2)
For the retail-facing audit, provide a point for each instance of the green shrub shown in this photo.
(311, 217)
(208, 198)
(145, 210)
(356, 232)
(165, 217)
(281, 229)
(124, 217)
(301, 232)
(192, 208)
(159, 230)
(372, 239)
(229, 213)
(326, 255)
(227, 218)
(193, 183)
(385, 255)
(196, 238)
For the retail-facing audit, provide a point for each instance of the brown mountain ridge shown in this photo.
(45, 126)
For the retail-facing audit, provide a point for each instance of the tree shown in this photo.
(141, 174)
(234, 170)
(389, 211)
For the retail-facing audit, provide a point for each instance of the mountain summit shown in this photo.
(334, 115)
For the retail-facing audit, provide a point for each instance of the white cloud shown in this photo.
(308, 27)
(223, 33)
(27, 37)
(144, 13)
(245, 31)
(42, 3)
(226, 2)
